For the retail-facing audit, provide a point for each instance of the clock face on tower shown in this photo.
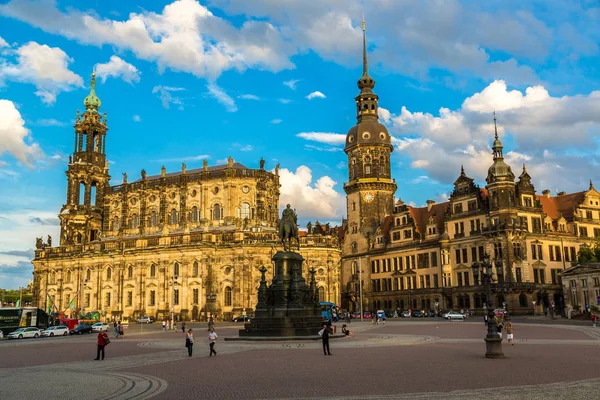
(368, 197)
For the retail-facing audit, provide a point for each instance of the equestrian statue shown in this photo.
(288, 228)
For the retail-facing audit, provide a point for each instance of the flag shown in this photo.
(18, 303)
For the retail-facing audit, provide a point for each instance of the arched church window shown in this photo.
(173, 217)
(321, 293)
(366, 106)
(69, 276)
(523, 300)
(81, 193)
(135, 221)
(78, 238)
(130, 272)
(216, 212)
(116, 223)
(153, 270)
(245, 211)
(194, 214)
(227, 296)
(176, 269)
(93, 194)
(88, 274)
(109, 273)
(367, 169)
(195, 270)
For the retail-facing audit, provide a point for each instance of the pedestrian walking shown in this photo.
(189, 341)
(115, 329)
(183, 327)
(164, 325)
(594, 320)
(121, 330)
(101, 343)
(485, 319)
(325, 336)
(383, 318)
(212, 339)
(510, 333)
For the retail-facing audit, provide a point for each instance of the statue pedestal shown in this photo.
(287, 308)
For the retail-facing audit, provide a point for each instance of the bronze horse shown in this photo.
(287, 231)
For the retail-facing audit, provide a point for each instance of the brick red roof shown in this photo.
(563, 205)
(421, 216)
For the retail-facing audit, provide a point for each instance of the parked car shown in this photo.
(100, 327)
(79, 329)
(144, 320)
(405, 314)
(454, 315)
(417, 314)
(429, 314)
(367, 314)
(59, 330)
(242, 318)
(22, 333)
(355, 315)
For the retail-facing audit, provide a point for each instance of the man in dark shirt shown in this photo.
(325, 337)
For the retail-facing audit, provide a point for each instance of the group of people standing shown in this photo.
(212, 339)
(118, 329)
(503, 325)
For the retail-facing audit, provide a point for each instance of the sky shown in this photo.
(187, 80)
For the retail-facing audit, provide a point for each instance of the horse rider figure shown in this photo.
(288, 228)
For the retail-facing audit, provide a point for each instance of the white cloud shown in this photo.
(249, 97)
(311, 200)
(185, 36)
(316, 95)
(285, 101)
(291, 83)
(166, 97)
(116, 67)
(15, 138)
(242, 147)
(324, 137)
(276, 121)
(222, 97)
(137, 118)
(47, 68)
(555, 136)
(3, 42)
(49, 122)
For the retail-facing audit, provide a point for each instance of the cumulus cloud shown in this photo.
(323, 137)
(117, 68)
(3, 42)
(185, 36)
(276, 121)
(291, 83)
(311, 199)
(555, 136)
(47, 68)
(166, 96)
(222, 97)
(137, 118)
(316, 95)
(15, 138)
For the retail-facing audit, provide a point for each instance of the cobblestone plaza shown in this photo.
(404, 359)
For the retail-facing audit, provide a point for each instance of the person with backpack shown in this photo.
(101, 343)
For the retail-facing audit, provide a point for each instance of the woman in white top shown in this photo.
(189, 341)
(212, 338)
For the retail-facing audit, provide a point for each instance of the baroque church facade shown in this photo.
(398, 257)
(188, 243)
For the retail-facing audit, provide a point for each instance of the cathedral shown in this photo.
(186, 244)
(398, 257)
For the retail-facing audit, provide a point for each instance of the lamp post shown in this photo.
(210, 299)
(360, 287)
(409, 273)
(172, 283)
(493, 341)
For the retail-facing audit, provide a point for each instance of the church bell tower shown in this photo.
(87, 176)
(370, 188)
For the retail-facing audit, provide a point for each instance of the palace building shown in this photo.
(188, 243)
(402, 257)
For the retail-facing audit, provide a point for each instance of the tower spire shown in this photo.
(365, 63)
(92, 102)
(497, 146)
(495, 126)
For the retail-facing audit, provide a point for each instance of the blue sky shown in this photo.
(187, 80)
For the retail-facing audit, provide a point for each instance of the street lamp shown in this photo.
(172, 283)
(409, 273)
(493, 341)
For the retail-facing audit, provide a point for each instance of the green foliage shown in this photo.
(589, 254)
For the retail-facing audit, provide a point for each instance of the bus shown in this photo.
(327, 309)
(13, 318)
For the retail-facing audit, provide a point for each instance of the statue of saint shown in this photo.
(124, 177)
(143, 174)
(183, 168)
(163, 171)
(277, 171)
(205, 165)
(49, 241)
(262, 163)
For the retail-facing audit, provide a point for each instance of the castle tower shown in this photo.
(87, 175)
(370, 188)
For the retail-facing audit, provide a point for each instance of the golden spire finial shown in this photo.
(495, 127)
(363, 24)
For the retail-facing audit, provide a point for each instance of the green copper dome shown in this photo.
(92, 102)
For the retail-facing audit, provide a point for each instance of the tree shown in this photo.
(589, 254)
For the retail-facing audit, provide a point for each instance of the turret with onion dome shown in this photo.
(92, 102)
(499, 171)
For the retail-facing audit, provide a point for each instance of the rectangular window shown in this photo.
(433, 259)
(481, 253)
(400, 266)
(573, 254)
(464, 255)
(195, 295)
(557, 253)
(87, 299)
(176, 296)
(583, 231)
(459, 277)
(472, 205)
(435, 281)
(129, 298)
(536, 225)
(423, 260)
(367, 170)
(458, 208)
(551, 252)
(372, 266)
(542, 276)
(597, 282)
(498, 251)
(596, 232)
(536, 275)
(473, 254)
(528, 202)
(536, 252)
(518, 274)
(466, 275)
(422, 281)
(152, 298)
(395, 264)
(428, 281)
(107, 299)
(458, 256)
(401, 283)
(554, 276)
